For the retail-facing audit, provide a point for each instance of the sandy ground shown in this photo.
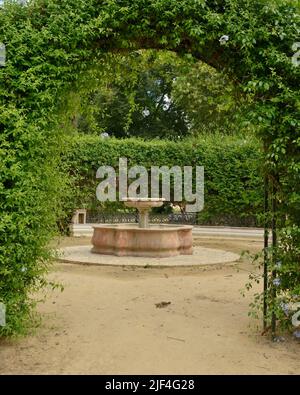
(106, 322)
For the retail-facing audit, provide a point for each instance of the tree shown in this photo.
(134, 97)
(158, 94)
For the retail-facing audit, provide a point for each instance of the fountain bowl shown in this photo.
(143, 203)
(154, 241)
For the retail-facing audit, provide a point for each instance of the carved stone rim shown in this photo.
(152, 228)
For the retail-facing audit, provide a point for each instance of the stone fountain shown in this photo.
(143, 239)
(143, 205)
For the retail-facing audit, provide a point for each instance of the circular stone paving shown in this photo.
(202, 256)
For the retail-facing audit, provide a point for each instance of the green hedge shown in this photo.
(233, 183)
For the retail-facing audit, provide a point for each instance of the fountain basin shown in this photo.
(154, 241)
(143, 203)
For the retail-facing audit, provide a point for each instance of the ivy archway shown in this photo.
(51, 43)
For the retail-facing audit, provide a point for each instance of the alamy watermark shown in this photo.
(296, 315)
(2, 314)
(2, 54)
(296, 56)
(187, 184)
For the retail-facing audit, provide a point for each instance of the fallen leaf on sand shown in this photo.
(160, 305)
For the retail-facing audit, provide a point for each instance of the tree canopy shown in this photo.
(158, 94)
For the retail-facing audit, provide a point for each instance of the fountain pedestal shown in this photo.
(144, 205)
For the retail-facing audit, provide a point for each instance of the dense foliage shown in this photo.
(158, 94)
(50, 46)
(132, 96)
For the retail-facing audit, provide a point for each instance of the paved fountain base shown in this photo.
(202, 256)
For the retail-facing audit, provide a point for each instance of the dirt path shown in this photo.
(106, 322)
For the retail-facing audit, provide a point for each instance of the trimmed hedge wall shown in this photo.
(233, 183)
